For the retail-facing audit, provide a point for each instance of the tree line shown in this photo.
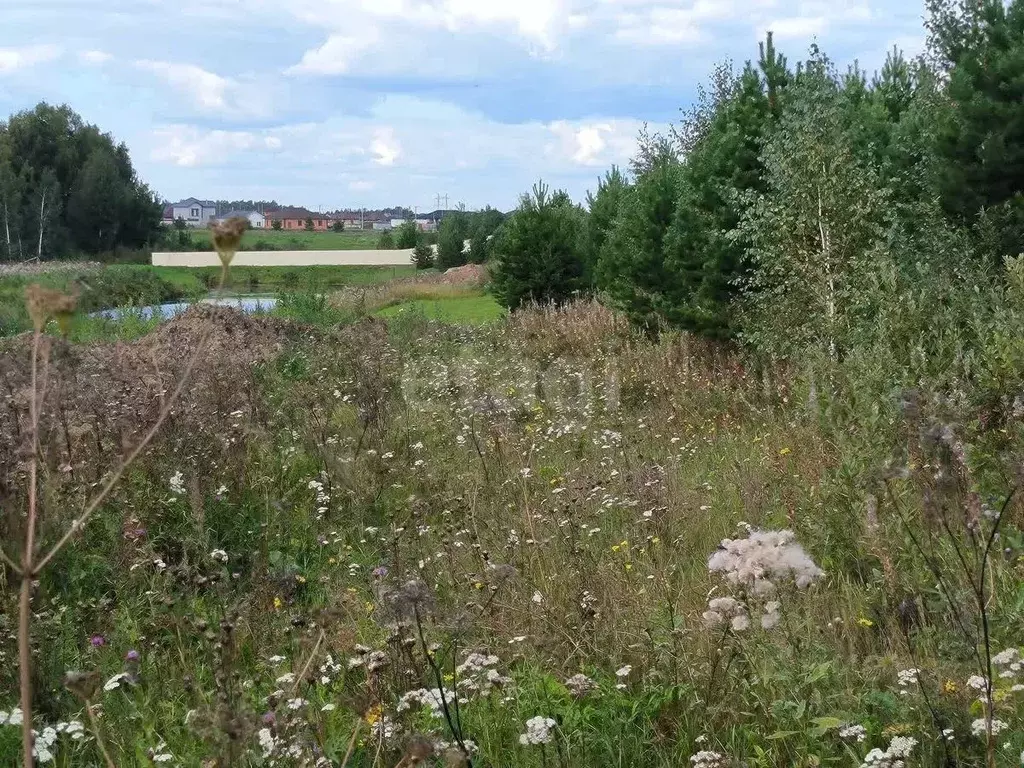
(794, 208)
(67, 188)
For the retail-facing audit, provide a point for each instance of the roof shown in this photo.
(243, 214)
(295, 213)
(435, 215)
(193, 201)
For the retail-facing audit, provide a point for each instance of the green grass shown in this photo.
(298, 239)
(470, 310)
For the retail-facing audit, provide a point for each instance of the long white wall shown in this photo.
(286, 258)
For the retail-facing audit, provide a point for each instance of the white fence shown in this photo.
(286, 258)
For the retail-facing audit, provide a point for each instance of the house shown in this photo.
(396, 223)
(296, 218)
(383, 225)
(256, 219)
(195, 213)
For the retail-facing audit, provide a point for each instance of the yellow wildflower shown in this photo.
(277, 603)
(865, 622)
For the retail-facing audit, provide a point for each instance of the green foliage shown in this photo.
(539, 255)
(407, 235)
(338, 225)
(981, 139)
(386, 241)
(603, 207)
(309, 224)
(483, 229)
(67, 187)
(631, 268)
(814, 236)
(276, 224)
(451, 240)
(423, 256)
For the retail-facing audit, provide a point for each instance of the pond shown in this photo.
(244, 303)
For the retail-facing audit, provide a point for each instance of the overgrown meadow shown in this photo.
(544, 541)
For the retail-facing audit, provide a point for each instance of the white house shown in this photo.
(195, 213)
(256, 219)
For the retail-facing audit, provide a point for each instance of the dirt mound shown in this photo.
(470, 274)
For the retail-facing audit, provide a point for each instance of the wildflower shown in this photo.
(893, 757)
(219, 555)
(623, 671)
(116, 680)
(853, 732)
(97, 641)
(906, 677)
(708, 759)
(949, 687)
(981, 726)
(537, 598)
(580, 685)
(267, 741)
(865, 622)
(774, 555)
(538, 731)
(177, 484)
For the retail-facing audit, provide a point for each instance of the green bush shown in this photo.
(423, 256)
(539, 256)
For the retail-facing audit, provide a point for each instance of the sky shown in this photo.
(350, 103)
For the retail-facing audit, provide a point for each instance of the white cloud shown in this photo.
(797, 27)
(190, 147)
(207, 91)
(595, 144)
(13, 59)
(385, 147)
(336, 55)
(94, 58)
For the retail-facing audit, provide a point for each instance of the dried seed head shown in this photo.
(83, 684)
(46, 303)
(227, 238)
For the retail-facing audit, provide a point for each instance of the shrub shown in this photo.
(423, 256)
(539, 255)
(408, 235)
(386, 242)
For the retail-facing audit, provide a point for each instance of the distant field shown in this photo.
(269, 279)
(471, 310)
(296, 240)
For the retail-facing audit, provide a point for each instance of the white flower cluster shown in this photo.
(905, 678)
(268, 744)
(580, 685)
(323, 499)
(708, 759)
(764, 558)
(477, 675)
(1010, 664)
(43, 747)
(177, 483)
(758, 565)
(853, 732)
(727, 609)
(219, 555)
(428, 698)
(895, 756)
(980, 726)
(539, 730)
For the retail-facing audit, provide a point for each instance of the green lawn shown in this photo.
(270, 279)
(297, 240)
(471, 310)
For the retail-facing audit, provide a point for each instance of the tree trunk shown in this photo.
(42, 211)
(7, 229)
